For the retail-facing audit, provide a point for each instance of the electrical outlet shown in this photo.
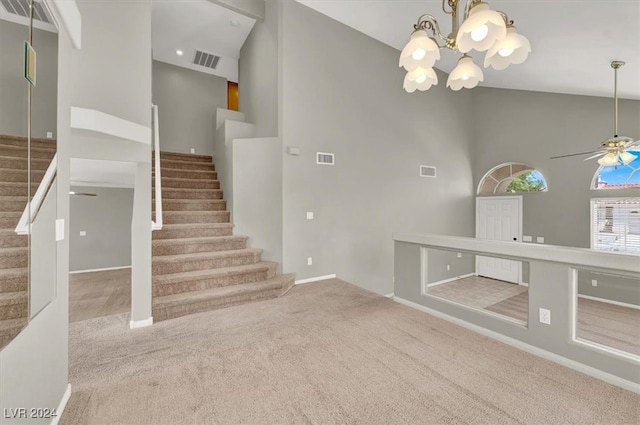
(193, 150)
(545, 316)
(459, 255)
(527, 239)
(309, 261)
(448, 267)
(49, 134)
(83, 233)
(309, 215)
(594, 282)
(540, 239)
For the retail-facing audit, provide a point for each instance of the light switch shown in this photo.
(192, 150)
(293, 150)
(83, 233)
(59, 229)
(309, 215)
(527, 239)
(309, 261)
(49, 134)
(540, 239)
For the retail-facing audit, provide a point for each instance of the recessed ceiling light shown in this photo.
(234, 23)
(179, 52)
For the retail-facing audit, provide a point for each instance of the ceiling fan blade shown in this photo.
(572, 154)
(632, 144)
(596, 155)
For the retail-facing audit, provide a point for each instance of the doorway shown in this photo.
(499, 218)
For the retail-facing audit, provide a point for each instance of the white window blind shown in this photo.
(615, 224)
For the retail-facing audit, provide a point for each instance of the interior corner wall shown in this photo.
(258, 71)
(13, 86)
(106, 221)
(34, 367)
(531, 127)
(380, 136)
(187, 102)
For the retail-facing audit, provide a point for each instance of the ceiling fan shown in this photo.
(613, 151)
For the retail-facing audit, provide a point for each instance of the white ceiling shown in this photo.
(573, 42)
(198, 24)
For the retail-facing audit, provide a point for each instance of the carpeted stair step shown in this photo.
(185, 217)
(13, 203)
(21, 152)
(191, 205)
(168, 183)
(9, 239)
(176, 283)
(191, 194)
(12, 175)
(172, 306)
(9, 220)
(16, 188)
(171, 164)
(195, 245)
(21, 163)
(179, 156)
(10, 328)
(167, 264)
(11, 258)
(193, 230)
(13, 280)
(187, 174)
(13, 305)
(22, 142)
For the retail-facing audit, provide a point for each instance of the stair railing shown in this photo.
(33, 206)
(157, 224)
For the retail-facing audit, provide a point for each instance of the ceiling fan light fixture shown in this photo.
(480, 29)
(627, 157)
(609, 160)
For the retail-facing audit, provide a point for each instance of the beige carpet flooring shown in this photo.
(606, 324)
(326, 353)
(99, 294)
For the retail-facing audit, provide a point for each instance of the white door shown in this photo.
(499, 219)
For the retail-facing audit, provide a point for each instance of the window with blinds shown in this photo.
(615, 224)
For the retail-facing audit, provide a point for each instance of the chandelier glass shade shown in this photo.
(482, 29)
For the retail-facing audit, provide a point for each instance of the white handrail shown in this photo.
(157, 224)
(33, 206)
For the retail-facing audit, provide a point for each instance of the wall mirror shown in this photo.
(28, 128)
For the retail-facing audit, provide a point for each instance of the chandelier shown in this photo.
(482, 30)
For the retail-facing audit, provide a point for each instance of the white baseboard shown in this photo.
(572, 364)
(137, 324)
(391, 295)
(100, 270)
(62, 405)
(604, 300)
(441, 282)
(315, 279)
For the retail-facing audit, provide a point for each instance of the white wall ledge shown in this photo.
(101, 122)
(581, 257)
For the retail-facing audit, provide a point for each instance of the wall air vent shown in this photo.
(323, 158)
(205, 59)
(426, 171)
(21, 8)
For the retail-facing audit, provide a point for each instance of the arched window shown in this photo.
(618, 177)
(512, 177)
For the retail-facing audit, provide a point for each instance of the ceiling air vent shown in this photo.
(204, 59)
(323, 158)
(426, 171)
(21, 8)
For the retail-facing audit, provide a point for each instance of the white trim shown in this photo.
(99, 270)
(62, 405)
(66, 14)
(453, 279)
(391, 295)
(604, 300)
(102, 184)
(572, 364)
(137, 324)
(101, 122)
(315, 279)
(33, 207)
(157, 223)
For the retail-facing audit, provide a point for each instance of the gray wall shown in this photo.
(106, 219)
(530, 127)
(439, 259)
(609, 287)
(13, 86)
(380, 135)
(257, 197)
(187, 101)
(259, 70)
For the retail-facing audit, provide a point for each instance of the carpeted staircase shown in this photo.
(198, 264)
(14, 297)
